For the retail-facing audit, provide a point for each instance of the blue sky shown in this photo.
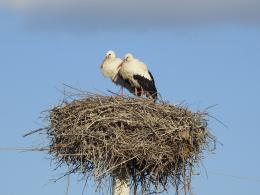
(203, 63)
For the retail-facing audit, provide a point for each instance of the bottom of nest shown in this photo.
(154, 145)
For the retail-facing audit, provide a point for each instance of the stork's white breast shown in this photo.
(110, 67)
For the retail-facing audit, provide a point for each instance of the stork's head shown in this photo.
(128, 57)
(110, 54)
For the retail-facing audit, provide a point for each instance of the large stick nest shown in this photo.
(154, 144)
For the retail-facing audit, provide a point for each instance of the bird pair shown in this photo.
(129, 73)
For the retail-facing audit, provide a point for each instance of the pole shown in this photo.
(121, 185)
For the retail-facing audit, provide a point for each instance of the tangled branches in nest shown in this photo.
(157, 144)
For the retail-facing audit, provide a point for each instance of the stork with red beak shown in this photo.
(110, 68)
(137, 74)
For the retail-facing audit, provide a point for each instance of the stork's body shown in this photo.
(137, 74)
(110, 68)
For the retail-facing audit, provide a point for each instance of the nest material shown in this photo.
(156, 144)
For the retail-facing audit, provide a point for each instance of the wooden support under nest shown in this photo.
(120, 186)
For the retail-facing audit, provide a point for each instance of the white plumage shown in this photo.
(110, 68)
(137, 74)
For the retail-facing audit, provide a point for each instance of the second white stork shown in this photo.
(137, 74)
(110, 68)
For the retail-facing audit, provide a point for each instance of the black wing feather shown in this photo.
(147, 85)
(151, 76)
(119, 80)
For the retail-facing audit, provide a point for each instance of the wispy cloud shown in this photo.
(98, 14)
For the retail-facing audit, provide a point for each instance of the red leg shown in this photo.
(142, 91)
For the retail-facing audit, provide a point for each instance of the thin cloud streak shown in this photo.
(133, 14)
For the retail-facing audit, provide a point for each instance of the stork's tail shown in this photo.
(154, 95)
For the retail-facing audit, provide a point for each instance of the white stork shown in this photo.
(110, 68)
(137, 74)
